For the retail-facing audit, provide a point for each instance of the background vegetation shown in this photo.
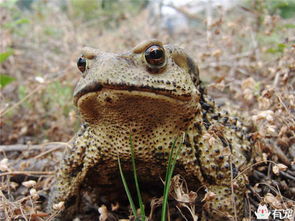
(245, 52)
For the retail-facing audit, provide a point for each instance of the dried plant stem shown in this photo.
(27, 173)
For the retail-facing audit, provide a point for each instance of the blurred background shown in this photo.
(241, 48)
(245, 51)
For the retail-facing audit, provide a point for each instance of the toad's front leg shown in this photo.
(221, 162)
(225, 180)
(225, 205)
(71, 175)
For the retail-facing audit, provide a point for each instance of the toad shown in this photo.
(152, 93)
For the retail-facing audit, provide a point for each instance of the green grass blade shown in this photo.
(141, 205)
(174, 160)
(169, 172)
(127, 189)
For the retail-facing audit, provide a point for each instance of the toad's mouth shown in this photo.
(96, 87)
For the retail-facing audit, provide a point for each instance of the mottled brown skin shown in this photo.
(121, 95)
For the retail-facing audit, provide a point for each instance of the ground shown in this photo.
(246, 57)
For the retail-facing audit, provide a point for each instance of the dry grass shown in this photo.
(232, 53)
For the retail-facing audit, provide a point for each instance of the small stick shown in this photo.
(27, 173)
(287, 175)
(24, 147)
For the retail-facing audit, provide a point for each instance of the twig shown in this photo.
(181, 213)
(281, 155)
(27, 173)
(251, 166)
(284, 105)
(22, 100)
(52, 150)
(287, 175)
(24, 147)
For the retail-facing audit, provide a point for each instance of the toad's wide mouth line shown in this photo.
(96, 87)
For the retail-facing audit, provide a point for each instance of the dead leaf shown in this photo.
(209, 196)
(278, 168)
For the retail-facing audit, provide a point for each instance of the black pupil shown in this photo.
(155, 55)
(81, 63)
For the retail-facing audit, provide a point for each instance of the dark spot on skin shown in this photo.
(217, 151)
(221, 157)
(234, 170)
(220, 176)
(230, 146)
(190, 151)
(133, 130)
(198, 127)
(224, 142)
(249, 137)
(210, 179)
(234, 127)
(197, 155)
(224, 120)
(205, 106)
(215, 116)
(195, 139)
(160, 147)
(226, 166)
(207, 124)
(213, 167)
(108, 99)
(159, 156)
(187, 141)
(186, 120)
(76, 170)
(247, 154)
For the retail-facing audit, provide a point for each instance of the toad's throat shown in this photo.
(125, 108)
(96, 87)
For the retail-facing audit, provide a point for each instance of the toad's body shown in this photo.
(153, 94)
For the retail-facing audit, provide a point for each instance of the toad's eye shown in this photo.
(81, 63)
(155, 55)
